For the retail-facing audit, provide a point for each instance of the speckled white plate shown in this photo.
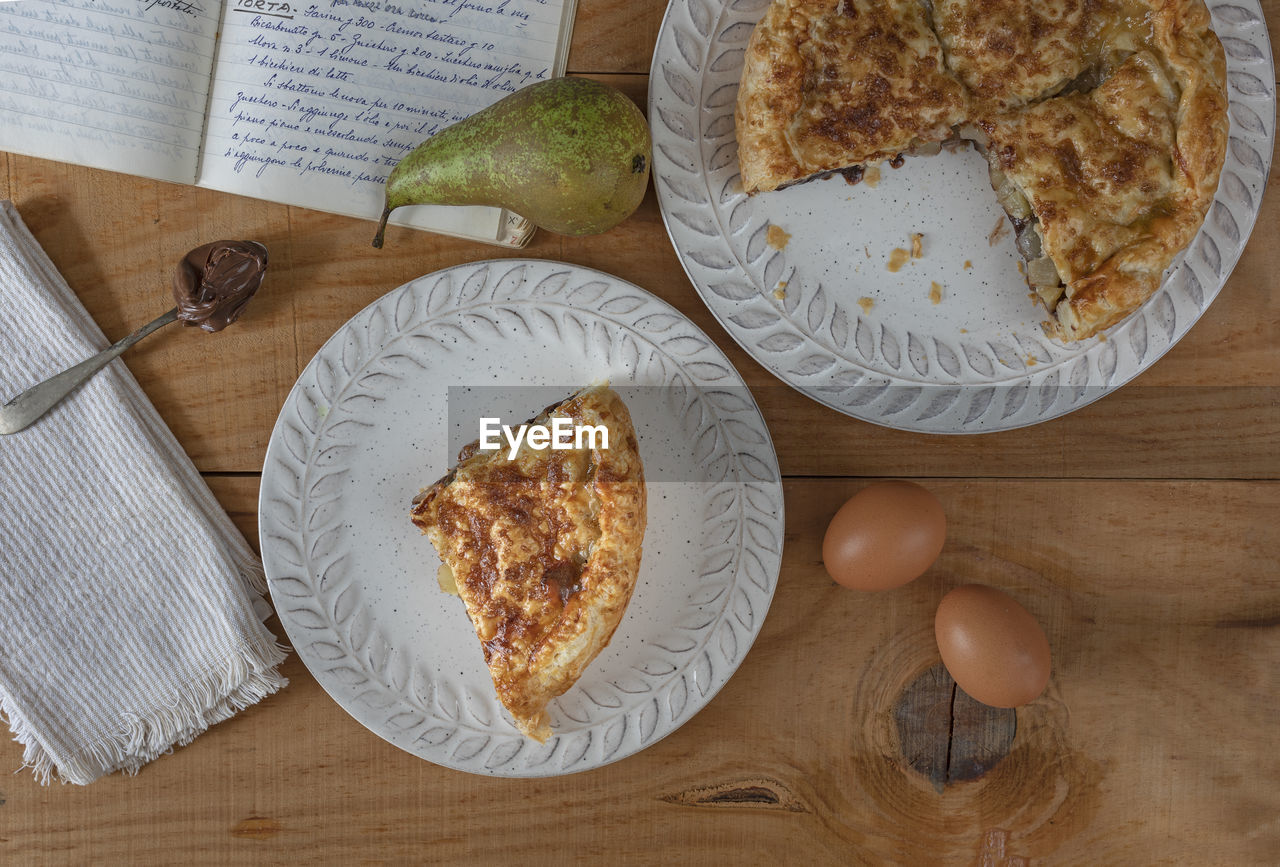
(824, 313)
(376, 416)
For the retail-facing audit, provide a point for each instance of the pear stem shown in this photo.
(382, 228)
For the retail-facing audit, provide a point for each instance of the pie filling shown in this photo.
(1042, 274)
(855, 173)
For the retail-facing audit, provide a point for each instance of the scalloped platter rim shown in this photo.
(949, 342)
(367, 425)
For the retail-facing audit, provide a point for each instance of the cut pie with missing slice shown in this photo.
(1008, 53)
(1104, 122)
(830, 85)
(543, 548)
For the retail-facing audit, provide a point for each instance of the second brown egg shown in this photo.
(992, 646)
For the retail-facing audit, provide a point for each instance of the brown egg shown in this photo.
(992, 646)
(889, 533)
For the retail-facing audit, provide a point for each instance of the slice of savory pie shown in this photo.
(829, 85)
(1104, 122)
(1105, 187)
(544, 549)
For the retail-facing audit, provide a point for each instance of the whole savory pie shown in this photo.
(543, 547)
(1104, 122)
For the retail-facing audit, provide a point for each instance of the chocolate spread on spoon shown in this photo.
(214, 282)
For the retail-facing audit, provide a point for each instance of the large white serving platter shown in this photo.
(820, 308)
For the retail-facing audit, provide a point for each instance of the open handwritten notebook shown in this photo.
(302, 103)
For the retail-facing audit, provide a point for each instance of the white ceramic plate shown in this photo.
(823, 312)
(378, 414)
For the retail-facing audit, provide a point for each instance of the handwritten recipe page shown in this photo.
(119, 84)
(308, 104)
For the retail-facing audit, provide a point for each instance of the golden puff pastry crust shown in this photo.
(1104, 121)
(544, 550)
(830, 84)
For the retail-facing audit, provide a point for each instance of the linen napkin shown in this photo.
(131, 608)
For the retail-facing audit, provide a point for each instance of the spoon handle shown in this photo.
(44, 396)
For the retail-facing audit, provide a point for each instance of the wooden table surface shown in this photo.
(1140, 530)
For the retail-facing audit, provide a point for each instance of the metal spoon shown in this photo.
(212, 285)
(42, 397)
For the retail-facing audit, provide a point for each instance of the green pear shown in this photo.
(571, 155)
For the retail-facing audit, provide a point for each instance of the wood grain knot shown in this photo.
(947, 736)
(256, 828)
(761, 793)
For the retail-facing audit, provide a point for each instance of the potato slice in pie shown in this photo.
(544, 548)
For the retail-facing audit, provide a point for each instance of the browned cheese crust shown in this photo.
(828, 84)
(1010, 52)
(544, 551)
(1109, 117)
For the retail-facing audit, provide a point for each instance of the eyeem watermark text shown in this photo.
(561, 434)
